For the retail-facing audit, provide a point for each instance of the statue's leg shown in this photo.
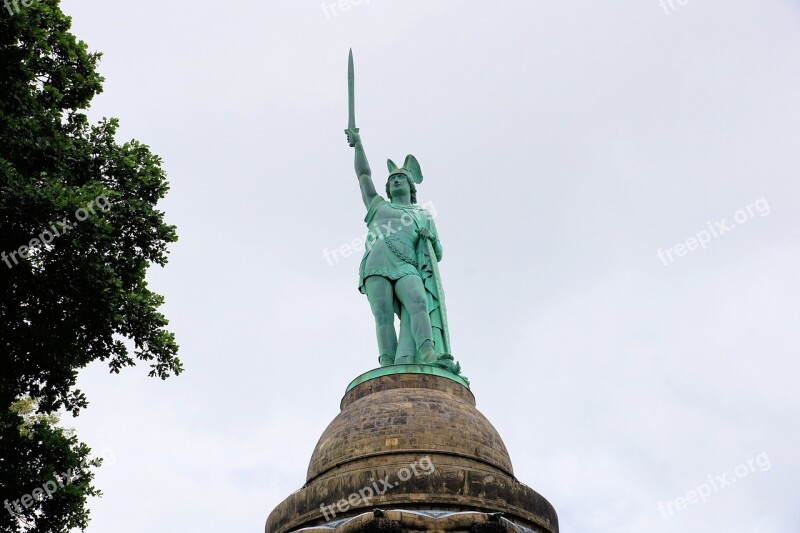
(381, 301)
(406, 349)
(411, 293)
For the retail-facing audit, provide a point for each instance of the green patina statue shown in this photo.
(399, 272)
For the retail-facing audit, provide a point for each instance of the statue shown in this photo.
(399, 271)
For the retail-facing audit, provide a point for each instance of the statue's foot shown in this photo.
(426, 353)
(404, 360)
(386, 360)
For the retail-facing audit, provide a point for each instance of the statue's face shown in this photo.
(398, 185)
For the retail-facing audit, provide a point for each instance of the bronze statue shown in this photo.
(399, 271)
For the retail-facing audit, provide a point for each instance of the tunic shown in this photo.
(391, 243)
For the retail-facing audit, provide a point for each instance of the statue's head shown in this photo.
(403, 180)
(400, 184)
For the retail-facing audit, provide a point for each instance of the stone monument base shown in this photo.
(410, 452)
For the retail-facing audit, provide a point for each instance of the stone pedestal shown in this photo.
(410, 452)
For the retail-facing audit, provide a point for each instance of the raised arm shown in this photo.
(363, 172)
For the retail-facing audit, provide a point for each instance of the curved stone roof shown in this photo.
(408, 414)
(413, 443)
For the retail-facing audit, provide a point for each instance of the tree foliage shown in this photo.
(45, 465)
(78, 229)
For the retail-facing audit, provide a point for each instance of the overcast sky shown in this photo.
(563, 145)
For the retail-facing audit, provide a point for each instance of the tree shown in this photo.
(45, 465)
(78, 229)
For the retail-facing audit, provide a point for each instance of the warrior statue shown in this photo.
(399, 272)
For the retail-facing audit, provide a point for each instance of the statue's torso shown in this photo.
(391, 243)
(392, 221)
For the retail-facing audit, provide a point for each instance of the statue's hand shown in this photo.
(425, 233)
(353, 137)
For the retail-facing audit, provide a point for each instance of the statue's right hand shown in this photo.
(353, 137)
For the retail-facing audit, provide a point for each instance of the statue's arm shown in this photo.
(368, 192)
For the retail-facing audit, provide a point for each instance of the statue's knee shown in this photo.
(384, 320)
(417, 304)
(383, 317)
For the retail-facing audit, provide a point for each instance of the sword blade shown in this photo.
(351, 93)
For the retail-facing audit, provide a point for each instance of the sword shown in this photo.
(351, 96)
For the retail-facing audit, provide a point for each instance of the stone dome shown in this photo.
(408, 414)
(392, 424)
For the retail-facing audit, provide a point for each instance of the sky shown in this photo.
(616, 191)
